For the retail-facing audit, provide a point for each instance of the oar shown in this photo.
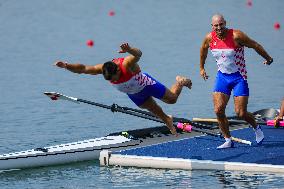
(116, 108)
(175, 119)
(134, 112)
(113, 107)
(260, 115)
(265, 114)
(214, 120)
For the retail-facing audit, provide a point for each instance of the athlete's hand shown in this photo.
(174, 131)
(268, 62)
(203, 74)
(277, 121)
(124, 48)
(60, 64)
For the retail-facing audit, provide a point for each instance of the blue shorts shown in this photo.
(157, 90)
(225, 83)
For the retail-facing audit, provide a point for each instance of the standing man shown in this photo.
(227, 47)
(125, 75)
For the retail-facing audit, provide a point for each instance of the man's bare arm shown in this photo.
(80, 68)
(203, 55)
(244, 40)
(130, 62)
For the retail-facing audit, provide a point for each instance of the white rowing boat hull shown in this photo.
(64, 153)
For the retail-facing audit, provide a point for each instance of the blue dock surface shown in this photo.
(271, 151)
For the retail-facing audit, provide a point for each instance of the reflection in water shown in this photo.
(156, 178)
(150, 178)
(91, 175)
(51, 177)
(236, 179)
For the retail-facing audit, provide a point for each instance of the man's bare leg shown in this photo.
(241, 111)
(151, 105)
(220, 102)
(171, 95)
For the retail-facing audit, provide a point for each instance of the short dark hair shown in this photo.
(109, 69)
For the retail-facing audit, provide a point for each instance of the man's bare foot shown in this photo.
(184, 81)
(171, 126)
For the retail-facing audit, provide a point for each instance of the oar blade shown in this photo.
(266, 113)
(58, 96)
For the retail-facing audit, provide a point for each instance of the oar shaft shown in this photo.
(94, 103)
(139, 111)
(116, 108)
(134, 112)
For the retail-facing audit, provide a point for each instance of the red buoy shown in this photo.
(249, 3)
(277, 25)
(111, 13)
(90, 43)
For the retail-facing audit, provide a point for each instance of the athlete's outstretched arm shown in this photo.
(244, 40)
(80, 68)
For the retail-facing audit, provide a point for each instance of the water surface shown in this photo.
(34, 34)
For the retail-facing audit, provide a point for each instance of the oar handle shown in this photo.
(213, 120)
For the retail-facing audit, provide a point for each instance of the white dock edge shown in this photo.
(108, 159)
